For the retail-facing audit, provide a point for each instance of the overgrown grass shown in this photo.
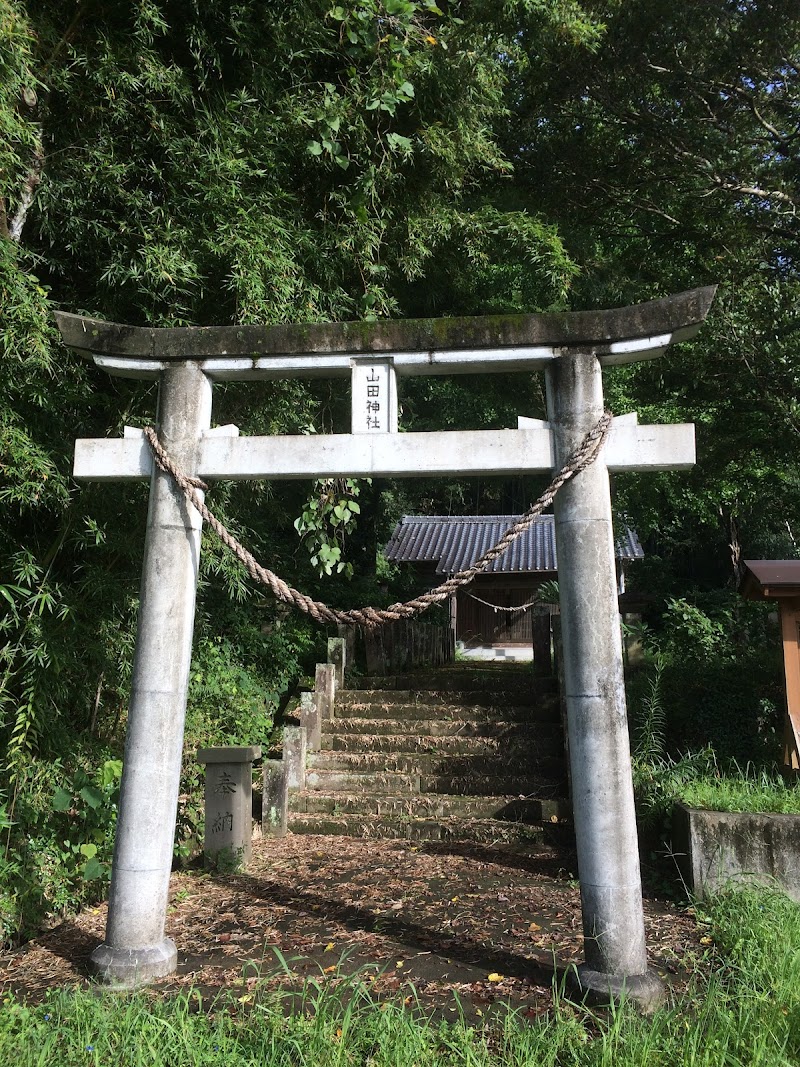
(746, 1012)
(699, 780)
(747, 790)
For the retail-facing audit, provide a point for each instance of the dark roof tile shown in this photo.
(455, 542)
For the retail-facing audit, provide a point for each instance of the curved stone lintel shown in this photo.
(603, 332)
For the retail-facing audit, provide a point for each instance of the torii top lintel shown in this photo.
(415, 346)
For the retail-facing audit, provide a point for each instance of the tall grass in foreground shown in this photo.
(746, 1013)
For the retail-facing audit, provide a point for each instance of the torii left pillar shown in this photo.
(136, 949)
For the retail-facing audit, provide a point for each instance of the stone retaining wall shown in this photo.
(713, 848)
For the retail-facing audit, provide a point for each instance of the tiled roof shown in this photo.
(454, 542)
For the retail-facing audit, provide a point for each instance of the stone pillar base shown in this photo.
(130, 967)
(646, 990)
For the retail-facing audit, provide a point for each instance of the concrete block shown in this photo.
(348, 634)
(129, 968)
(324, 689)
(229, 804)
(337, 655)
(445, 452)
(295, 746)
(275, 808)
(310, 718)
(714, 848)
(229, 754)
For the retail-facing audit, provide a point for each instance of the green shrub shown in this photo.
(57, 843)
(712, 677)
(238, 678)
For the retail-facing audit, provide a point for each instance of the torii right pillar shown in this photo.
(599, 748)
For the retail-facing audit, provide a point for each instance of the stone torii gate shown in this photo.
(572, 349)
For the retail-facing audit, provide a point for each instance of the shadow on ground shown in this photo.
(455, 928)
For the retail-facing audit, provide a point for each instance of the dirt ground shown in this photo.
(442, 924)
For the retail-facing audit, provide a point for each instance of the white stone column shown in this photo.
(599, 749)
(135, 949)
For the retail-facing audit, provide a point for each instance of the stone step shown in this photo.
(513, 748)
(433, 762)
(459, 753)
(479, 698)
(385, 782)
(478, 831)
(453, 680)
(454, 765)
(381, 709)
(504, 730)
(532, 784)
(432, 805)
(411, 785)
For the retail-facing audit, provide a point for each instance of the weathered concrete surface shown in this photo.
(337, 656)
(311, 719)
(275, 806)
(713, 848)
(681, 314)
(135, 949)
(295, 747)
(228, 837)
(599, 753)
(453, 452)
(324, 690)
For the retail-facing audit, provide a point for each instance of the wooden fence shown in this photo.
(406, 644)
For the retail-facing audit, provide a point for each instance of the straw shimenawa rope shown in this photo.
(506, 607)
(582, 457)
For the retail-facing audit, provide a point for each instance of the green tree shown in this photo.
(168, 162)
(668, 158)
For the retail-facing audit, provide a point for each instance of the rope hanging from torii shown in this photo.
(506, 607)
(583, 456)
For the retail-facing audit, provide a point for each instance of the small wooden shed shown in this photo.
(779, 580)
(497, 609)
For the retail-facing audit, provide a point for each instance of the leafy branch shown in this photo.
(328, 516)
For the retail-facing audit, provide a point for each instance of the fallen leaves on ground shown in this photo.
(436, 922)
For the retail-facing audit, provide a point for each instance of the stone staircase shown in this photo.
(459, 753)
